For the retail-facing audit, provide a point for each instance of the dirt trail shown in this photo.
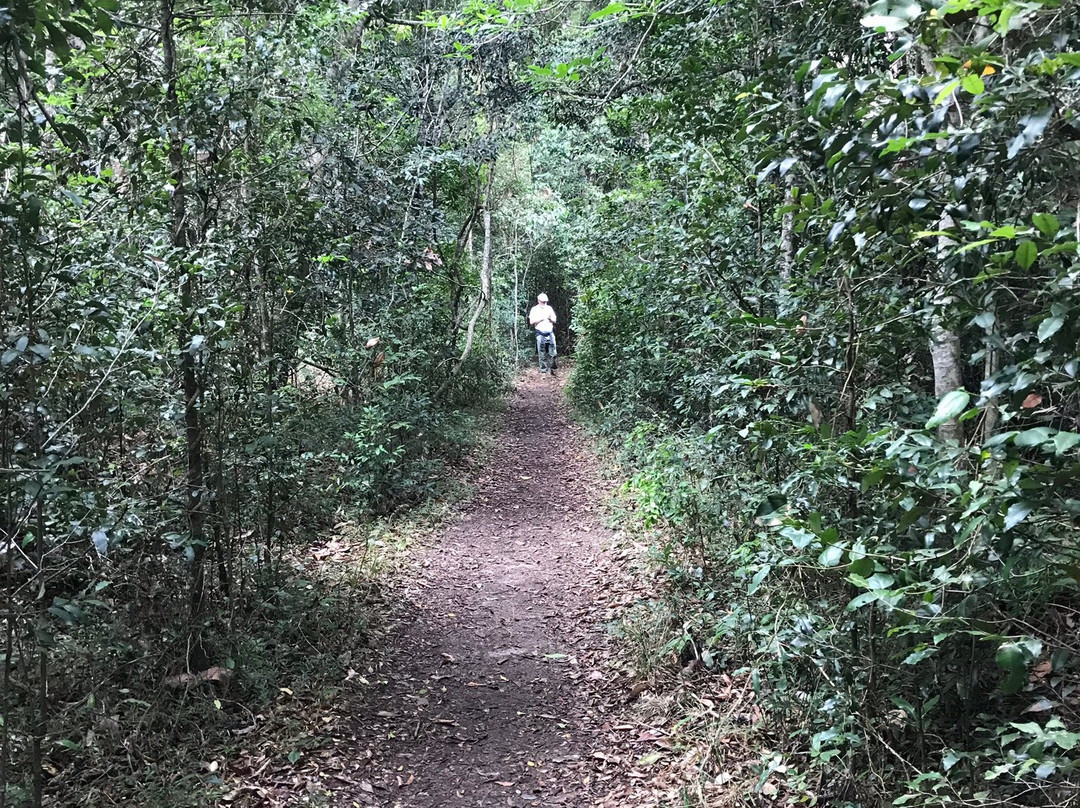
(487, 700)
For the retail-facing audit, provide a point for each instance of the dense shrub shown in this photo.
(846, 386)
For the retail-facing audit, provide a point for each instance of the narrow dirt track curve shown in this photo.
(486, 699)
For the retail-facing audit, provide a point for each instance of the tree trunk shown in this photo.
(945, 355)
(39, 729)
(515, 338)
(991, 365)
(189, 380)
(787, 231)
(945, 343)
(7, 533)
(847, 405)
(484, 299)
(266, 350)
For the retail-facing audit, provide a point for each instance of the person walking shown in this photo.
(542, 319)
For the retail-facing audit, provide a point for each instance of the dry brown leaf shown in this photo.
(1042, 670)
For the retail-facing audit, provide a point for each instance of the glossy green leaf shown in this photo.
(607, 11)
(1026, 253)
(771, 504)
(861, 600)
(831, 556)
(974, 85)
(947, 90)
(1046, 223)
(1016, 514)
(863, 567)
(918, 655)
(871, 479)
(1033, 127)
(1063, 441)
(948, 408)
(1010, 658)
(759, 577)
(884, 22)
(1049, 327)
(1032, 437)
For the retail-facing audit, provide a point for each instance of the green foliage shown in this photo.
(874, 527)
(233, 284)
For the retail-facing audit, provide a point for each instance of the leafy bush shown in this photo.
(830, 329)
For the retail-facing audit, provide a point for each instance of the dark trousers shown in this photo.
(545, 341)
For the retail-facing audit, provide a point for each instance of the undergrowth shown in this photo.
(138, 712)
(797, 677)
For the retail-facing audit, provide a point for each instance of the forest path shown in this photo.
(491, 688)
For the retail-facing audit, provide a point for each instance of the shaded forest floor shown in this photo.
(498, 682)
(499, 688)
(485, 697)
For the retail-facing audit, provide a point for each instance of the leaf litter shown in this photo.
(498, 682)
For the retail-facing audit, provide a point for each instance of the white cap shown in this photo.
(542, 297)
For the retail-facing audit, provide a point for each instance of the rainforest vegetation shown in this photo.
(263, 266)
